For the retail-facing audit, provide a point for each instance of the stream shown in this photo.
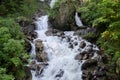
(61, 52)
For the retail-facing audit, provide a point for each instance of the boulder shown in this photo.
(82, 44)
(86, 75)
(78, 57)
(38, 45)
(41, 57)
(60, 34)
(89, 63)
(82, 56)
(64, 19)
(27, 45)
(49, 33)
(28, 74)
(75, 43)
(71, 45)
(32, 65)
(29, 29)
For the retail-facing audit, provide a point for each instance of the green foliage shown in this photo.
(105, 16)
(11, 50)
(29, 7)
(4, 76)
(89, 35)
(18, 7)
(12, 53)
(55, 9)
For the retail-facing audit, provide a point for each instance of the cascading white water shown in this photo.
(78, 20)
(52, 3)
(62, 64)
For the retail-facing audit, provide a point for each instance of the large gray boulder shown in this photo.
(64, 17)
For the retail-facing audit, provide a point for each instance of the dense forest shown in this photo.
(12, 40)
(103, 15)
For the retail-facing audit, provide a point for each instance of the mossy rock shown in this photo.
(63, 16)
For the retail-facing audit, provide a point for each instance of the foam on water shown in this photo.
(61, 64)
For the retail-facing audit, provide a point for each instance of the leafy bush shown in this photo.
(105, 16)
(11, 50)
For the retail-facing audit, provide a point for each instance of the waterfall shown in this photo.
(78, 20)
(61, 52)
(52, 3)
(62, 64)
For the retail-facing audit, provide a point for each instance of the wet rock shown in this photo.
(23, 22)
(78, 57)
(86, 75)
(49, 33)
(82, 56)
(71, 45)
(99, 73)
(42, 57)
(60, 73)
(68, 38)
(89, 63)
(82, 44)
(89, 48)
(60, 34)
(75, 43)
(54, 31)
(38, 45)
(64, 20)
(27, 45)
(29, 29)
(39, 69)
(34, 35)
(105, 59)
(28, 74)
(32, 65)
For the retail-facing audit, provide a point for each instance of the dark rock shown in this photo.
(105, 58)
(75, 43)
(39, 70)
(29, 29)
(82, 44)
(89, 48)
(60, 34)
(68, 38)
(28, 74)
(55, 30)
(27, 45)
(38, 45)
(89, 63)
(78, 57)
(71, 45)
(99, 72)
(86, 75)
(23, 22)
(49, 33)
(41, 57)
(60, 73)
(32, 65)
(34, 35)
(82, 56)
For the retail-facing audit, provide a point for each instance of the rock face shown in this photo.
(27, 45)
(40, 54)
(64, 20)
(28, 74)
(95, 69)
(89, 63)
